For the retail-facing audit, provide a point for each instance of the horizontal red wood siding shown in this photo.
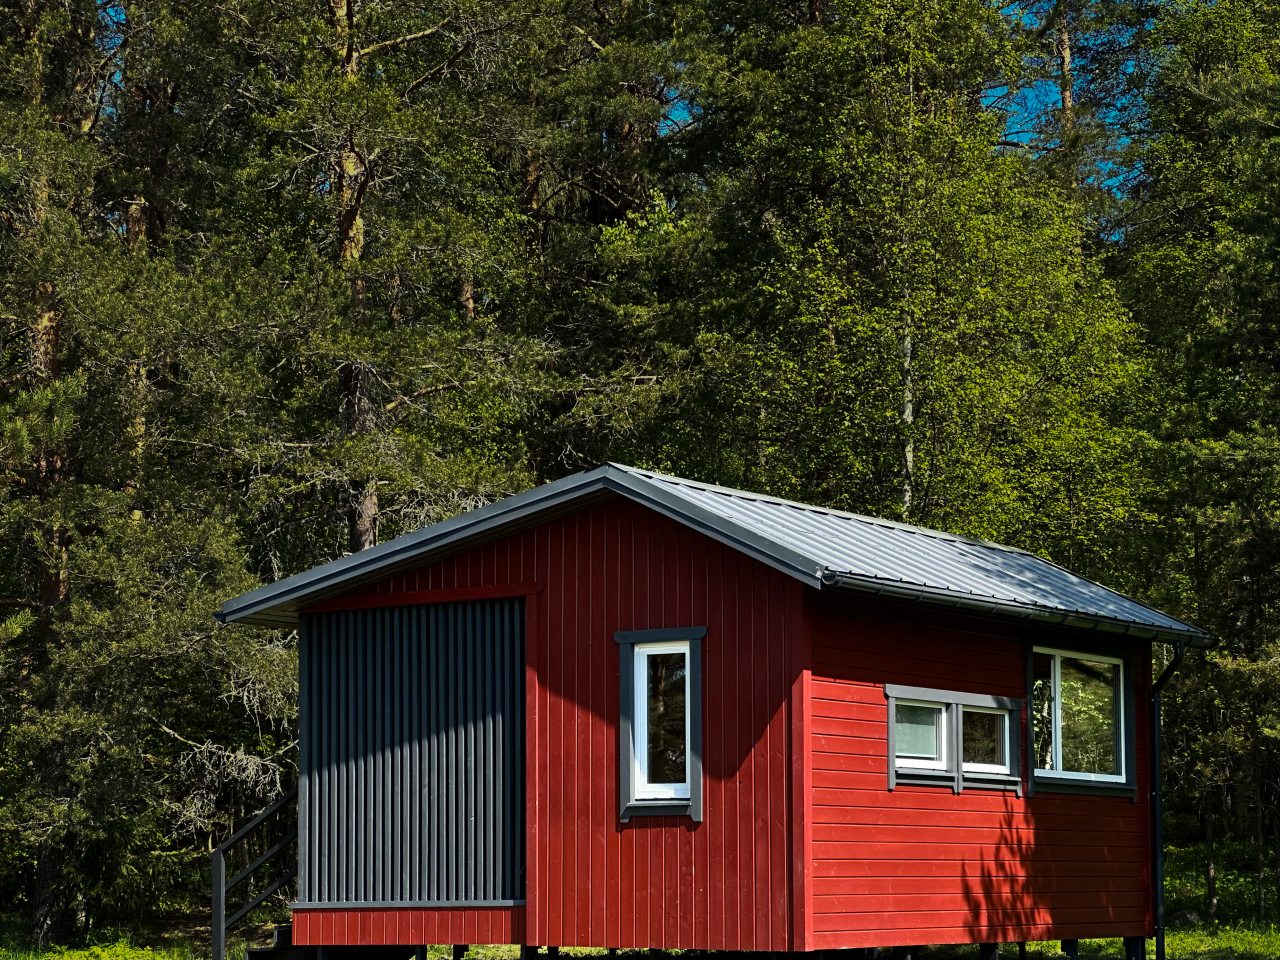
(663, 882)
(922, 864)
(408, 925)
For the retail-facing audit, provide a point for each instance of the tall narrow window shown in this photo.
(1078, 715)
(660, 722)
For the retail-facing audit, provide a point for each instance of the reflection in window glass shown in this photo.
(985, 740)
(1089, 692)
(667, 762)
(1042, 709)
(919, 732)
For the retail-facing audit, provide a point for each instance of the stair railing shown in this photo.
(277, 847)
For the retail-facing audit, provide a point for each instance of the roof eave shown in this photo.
(1191, 636)
(277, 604)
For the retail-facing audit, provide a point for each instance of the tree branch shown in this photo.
(427, 391)
(401, 41)
(590, 39)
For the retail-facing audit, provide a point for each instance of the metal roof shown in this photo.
(823, 548)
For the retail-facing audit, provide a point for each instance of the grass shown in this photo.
(1235, 939)
(1221, 943)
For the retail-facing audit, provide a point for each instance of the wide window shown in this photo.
(660, 740)
(951, 738)
(1078, 716)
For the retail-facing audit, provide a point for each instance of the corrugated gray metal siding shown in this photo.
(412, 755)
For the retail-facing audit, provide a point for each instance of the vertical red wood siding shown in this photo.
(665, 882)
(924, 865)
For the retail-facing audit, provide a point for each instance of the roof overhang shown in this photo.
(1191, 636)
(279, 604)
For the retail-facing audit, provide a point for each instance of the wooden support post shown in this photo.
(1071, 948)
(528, 952)
(460, 951)
(1135, 948)
(988, 951)
(553, 951)
(419, 953)
(1022, 950)
(905, 953)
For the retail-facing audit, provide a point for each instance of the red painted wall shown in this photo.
(723, 884)
(921, 864)
(410, 925)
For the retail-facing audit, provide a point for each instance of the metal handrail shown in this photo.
(273, 807)
(218, 868)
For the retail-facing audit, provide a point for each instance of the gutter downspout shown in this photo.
(1157, 797)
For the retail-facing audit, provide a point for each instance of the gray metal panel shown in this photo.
(817, 546)
(411, 788)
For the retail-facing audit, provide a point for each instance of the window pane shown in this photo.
(984, 738)
(918, 730)
(1042, 709)
(667, 761)
(1089, 695)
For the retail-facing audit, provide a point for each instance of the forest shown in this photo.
(282, 279)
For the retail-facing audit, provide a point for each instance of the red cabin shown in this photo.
(628, 710)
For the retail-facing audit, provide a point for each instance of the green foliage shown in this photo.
(121, 950)
(275, 281)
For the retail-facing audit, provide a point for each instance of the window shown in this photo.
(1078, 708)
(660, 722)
(951, 738)
(985, 740)
(922, 735)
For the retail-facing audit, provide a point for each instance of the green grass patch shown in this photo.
(1221, 943)
(115, 951)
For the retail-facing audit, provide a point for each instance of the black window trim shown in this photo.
(955, 776)
(629, 806)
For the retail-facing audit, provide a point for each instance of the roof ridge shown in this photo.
(830, 511)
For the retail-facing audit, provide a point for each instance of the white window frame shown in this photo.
(998, 768)
(643, 788)
(921, 763)
(1121, 732)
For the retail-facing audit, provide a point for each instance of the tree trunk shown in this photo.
(355, 376)
(1275, 851)
(1066, 75)
(467, 299)
(141, 227)
(362, 517)
(908, 422)
(1066, 92)
(1260, 835)
(1210, 861)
